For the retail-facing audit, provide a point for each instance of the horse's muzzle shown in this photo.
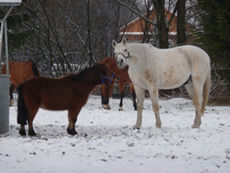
(121, 63)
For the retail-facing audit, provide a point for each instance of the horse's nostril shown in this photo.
(122, 61)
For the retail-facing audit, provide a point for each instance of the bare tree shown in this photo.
(70, 35)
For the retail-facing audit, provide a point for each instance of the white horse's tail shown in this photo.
(206, 89)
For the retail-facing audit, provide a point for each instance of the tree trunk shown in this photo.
(162, 35)
(181, 38)
(89, 33)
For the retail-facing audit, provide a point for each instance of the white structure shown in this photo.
(4, 79)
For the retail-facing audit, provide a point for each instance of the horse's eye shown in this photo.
(125, 50)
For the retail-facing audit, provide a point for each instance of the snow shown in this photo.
(107, 143)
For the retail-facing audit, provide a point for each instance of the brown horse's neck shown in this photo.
(90, 86)
(91, 77)
(86, 86)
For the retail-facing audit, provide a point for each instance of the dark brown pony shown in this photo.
(19, 73)
(68, 93)
(110, 62)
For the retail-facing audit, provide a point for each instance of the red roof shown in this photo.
(134, 30)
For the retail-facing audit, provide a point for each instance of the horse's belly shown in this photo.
(55, 103)
(172, 83)
(173, 86)
(54, 107)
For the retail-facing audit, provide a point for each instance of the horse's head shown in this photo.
(106, 75)
(121, 52)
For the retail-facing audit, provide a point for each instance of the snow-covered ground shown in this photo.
(107, 142)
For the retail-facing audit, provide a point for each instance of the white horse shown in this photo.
(151, 68)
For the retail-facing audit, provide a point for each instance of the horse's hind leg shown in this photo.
(22, 130)
(133, 94)
(31, 115)
(153, 91)
(121, 88)
(140, 92)
(105, 93)
(198, 99)
(109, 91)
(72, 114)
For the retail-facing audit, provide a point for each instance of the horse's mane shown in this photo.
(90, 74)
(35, 69)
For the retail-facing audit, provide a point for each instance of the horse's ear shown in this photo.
(114, 43)
(124, 41)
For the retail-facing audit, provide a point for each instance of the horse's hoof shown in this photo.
(32, 133)
(71, 132)
(136, 127)
(22, 132)
(195, 126)
(158, 126)
(106, 107)
(120, 109)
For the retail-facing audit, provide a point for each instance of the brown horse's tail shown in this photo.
(22, 109)
(35, 69)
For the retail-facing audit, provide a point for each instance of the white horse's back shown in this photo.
(180, 63)
(167, 68)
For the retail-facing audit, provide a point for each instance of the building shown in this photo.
(139, 28)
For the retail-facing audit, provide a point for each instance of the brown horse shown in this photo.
(19, 73)
(68, 93)
(110, 62)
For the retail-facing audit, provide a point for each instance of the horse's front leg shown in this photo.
(133, 94)
(72, 114)
(12, 88)
(31, 115)
(121, 88)
(22, 130)
(109, 91)
(153, 91)
(105, 93)
(140, 93)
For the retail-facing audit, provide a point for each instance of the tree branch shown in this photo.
(173, 14)
(127, 6)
